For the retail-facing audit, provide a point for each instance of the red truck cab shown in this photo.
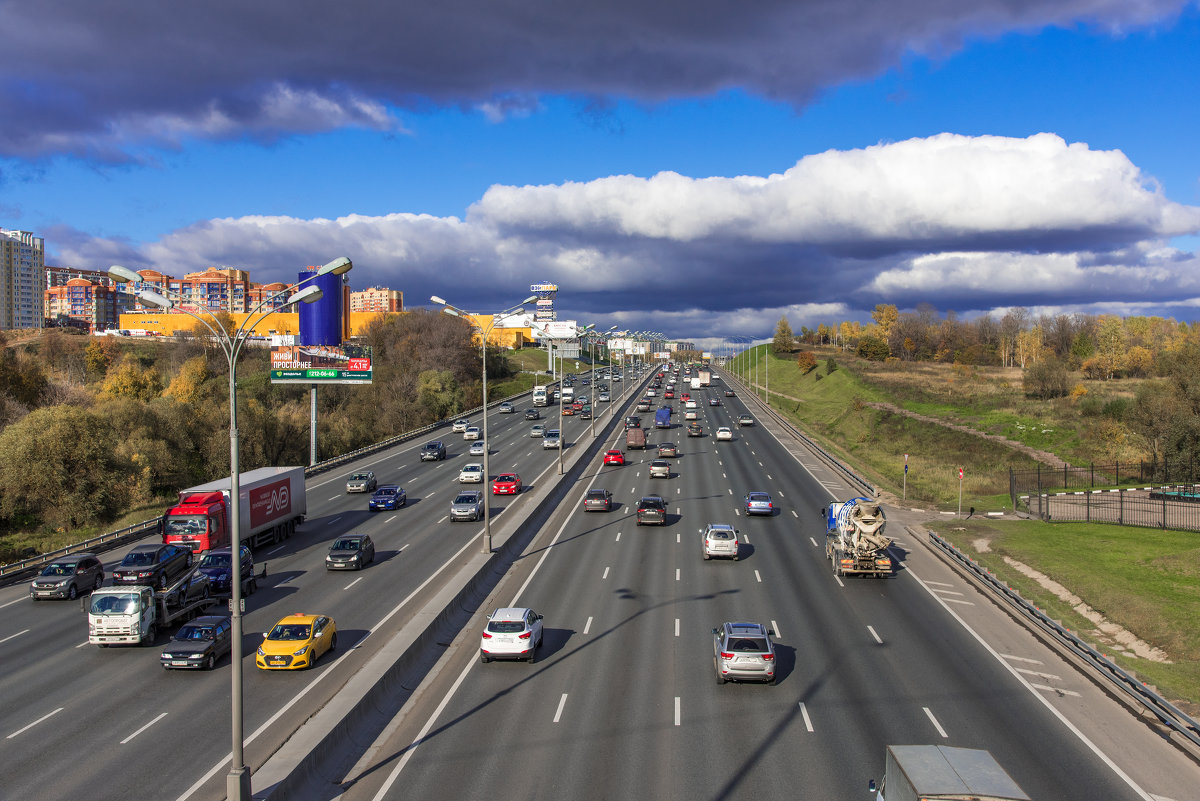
(198, 522)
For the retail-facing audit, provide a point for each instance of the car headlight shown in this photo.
(301, 652)
(261, 652)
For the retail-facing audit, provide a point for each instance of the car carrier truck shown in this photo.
(854, 538)
(943, 773)
(134, 614)
(272, 505)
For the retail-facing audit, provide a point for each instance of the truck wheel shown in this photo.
(151, 635)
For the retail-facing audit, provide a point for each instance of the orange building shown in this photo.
(99, 306)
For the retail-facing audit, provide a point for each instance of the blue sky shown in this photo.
(903, 137)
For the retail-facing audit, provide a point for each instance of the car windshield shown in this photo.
(386, 491)
(122, 604)
(432, 446)
(360, 477)
(465, 499)
(346, 544)
(745, 645)
(138, 558)
(289, 631)
(506, 626)
(184, 524)
(217, 560)
(59, 569)
(196, 633)
(506, 478)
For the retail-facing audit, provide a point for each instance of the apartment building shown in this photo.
(22, 260)
(377, 299)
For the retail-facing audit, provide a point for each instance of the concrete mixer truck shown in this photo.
(854, 538)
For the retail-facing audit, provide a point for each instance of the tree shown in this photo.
(784, 339)
(873, 348)
(131, 380)
(885, 316)
(806, 361)
(59, 465)
(439, 392)
(1047, 379)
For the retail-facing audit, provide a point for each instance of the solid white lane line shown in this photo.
(838, 579)
(775, 628)
(677, 574)
(36, 722)
(746, 538)
(757, 577)
(874, 634)
(274, 551)
(814, 542)
(85, 642)
(390, 519)
(148, 725)
(936, 725)
(351, 584)
(561, 703)
(402, 547)
(444, 518)
(334, 498)
(677, 710)
(602, 578)
(18, 634)
(10, 603)
(676, 627)
(804, 711)
(334, 520)
(587, 626)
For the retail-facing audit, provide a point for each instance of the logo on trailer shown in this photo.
(270, 502)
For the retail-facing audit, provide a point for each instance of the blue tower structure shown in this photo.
(321, 322)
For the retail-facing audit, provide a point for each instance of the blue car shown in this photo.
(387, 497)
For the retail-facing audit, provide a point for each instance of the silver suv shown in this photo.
(467, 505)
(743, 652)
(720, 540)
(660, 468)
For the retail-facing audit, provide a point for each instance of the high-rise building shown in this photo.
(22, 261)
(97, 305)
(377, 299)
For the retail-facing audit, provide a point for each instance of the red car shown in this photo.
(685, 396)
(506, 484)
(614, 457)
(568, 411)
(669, 394)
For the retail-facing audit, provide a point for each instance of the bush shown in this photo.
(806, 361)
(1047, 379)
(830, 366)
(873, 348)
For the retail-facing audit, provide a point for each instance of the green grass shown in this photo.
(1146, 580)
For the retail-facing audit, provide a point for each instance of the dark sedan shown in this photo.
(199, 644)
(154, 564)
(533, 414)
(217, 564)
(350, 552)
(388, 497)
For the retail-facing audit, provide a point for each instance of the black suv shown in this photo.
(633, 421)
(433, 451)
(67, 576)
(156, 565)
(652, 509)
(350, 551)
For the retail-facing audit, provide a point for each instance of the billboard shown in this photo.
(321, 364)
(558, 329)
(544, 287)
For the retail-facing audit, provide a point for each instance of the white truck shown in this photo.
(541, 397)
(944, 773)
(705, 377)
(854, 538)
(134, 614)
(568, 395)
(695, 382)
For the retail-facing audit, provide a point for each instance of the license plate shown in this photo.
(275, 662)
(179, 663)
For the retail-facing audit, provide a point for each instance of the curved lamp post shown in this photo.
(454, 311)
(237, 783)
(592, 352)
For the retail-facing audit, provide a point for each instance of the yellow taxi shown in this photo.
(296, 642)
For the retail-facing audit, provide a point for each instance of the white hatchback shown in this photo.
(471, 474)
(511, 633)
(724, 433)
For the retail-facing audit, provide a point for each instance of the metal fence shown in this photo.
(1174, 506)
(1116, 474)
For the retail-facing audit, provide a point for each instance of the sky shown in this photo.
(699, 168)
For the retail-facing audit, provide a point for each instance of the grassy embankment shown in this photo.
(1145, 580)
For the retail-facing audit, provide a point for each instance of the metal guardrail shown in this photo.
(832, 461)
(138, 530)
(1167, 713)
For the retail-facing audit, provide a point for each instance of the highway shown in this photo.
(81, 721)
(622, 700)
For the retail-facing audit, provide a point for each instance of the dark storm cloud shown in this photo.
(964, 223)
(101, 80)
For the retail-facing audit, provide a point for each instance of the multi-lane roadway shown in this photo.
(79, 721)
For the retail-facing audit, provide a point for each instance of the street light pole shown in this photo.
(237, 782)
(454, 311)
